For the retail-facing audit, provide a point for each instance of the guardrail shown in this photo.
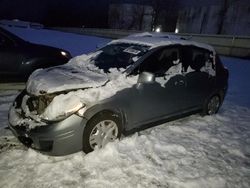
(238, 46)
(12, 86)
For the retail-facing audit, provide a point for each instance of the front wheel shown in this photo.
(212, 105)
(101, 129)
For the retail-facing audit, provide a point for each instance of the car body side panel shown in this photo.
(143, 103)
(153, 101)
(10, 60)
(199, 86)
(119, 104)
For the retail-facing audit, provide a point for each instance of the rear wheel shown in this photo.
(100, 130)
(212, 105)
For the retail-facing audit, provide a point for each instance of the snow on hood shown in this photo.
(78, 73)
(90, 84)
(77, 99)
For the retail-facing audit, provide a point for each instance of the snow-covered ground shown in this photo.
(211, 151)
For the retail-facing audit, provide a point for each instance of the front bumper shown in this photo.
(59, 138)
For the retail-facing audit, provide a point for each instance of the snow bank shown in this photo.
(191, 152)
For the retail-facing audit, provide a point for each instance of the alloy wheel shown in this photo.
(102, 133)
(213, 105)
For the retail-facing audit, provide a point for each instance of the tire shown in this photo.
(102, 128)
(212, 105)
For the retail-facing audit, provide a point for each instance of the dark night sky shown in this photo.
(57, 12)
(91, 13)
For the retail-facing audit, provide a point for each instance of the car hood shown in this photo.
(64, 78)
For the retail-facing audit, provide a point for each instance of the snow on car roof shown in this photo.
(160, 39)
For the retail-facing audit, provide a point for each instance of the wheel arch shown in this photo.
(95, 118)
(119, 113)
(218, 93)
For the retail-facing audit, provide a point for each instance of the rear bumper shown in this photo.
(60, 138)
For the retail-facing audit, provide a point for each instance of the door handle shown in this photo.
(179, 83)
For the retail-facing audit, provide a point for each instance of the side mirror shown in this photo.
(146, 77)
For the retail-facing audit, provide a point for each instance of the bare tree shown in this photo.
(165, 14)
(114, 16)
(141, 17)
(156, 7)
(224, 10)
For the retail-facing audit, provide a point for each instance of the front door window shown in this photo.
(166, 95)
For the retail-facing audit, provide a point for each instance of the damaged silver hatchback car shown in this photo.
(125, 86)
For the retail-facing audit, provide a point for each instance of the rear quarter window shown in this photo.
(199, 60)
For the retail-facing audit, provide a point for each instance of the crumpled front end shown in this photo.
(26, 110)
(54, 138)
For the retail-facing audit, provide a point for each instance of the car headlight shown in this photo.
(81, 111)
(73, 109)
(53, 113)
(65, 54)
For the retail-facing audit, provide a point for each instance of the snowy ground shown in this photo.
(191, 152)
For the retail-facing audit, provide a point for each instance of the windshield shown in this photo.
(118, 55)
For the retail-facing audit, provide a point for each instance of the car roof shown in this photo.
(160, 39)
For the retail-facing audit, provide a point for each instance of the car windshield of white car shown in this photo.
(119, 55)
